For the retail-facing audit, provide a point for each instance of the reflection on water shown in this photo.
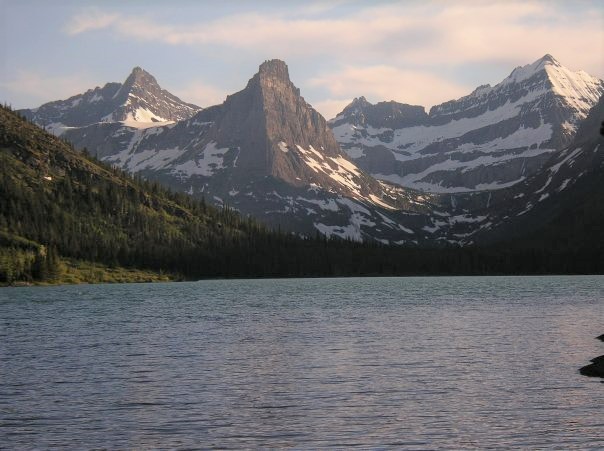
(416, 362)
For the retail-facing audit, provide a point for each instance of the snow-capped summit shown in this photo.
(142, 100)
(139, 102)
(578, 89)
(492, 138)
(523, 72)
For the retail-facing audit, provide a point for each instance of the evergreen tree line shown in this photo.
(57, 202)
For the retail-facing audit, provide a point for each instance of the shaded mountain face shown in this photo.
(268, 153)
(493, 138)
(138, 102)
(568, 190)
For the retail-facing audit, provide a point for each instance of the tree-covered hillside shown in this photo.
(57, 203)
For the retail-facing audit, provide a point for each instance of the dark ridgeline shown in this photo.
(57, 202)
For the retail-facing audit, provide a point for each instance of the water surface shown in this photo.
(377, 362)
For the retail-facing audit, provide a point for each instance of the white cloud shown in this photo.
(201, 94)
(404, 33)
(329, 108)
(402, 51)
(390, 83)
(40, 88)
(93, 19)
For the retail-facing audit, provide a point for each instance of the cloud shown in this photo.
(383, 82)
(329, 108)
(413, 52)
(40, 88)
(201, 94)
(405, 33)
(93, 19)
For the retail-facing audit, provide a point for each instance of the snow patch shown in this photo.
(283, 147)
(207, 163)
(329, 204)
(346, 232)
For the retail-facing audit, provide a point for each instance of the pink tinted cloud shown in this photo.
(416, 33)
(389, 83)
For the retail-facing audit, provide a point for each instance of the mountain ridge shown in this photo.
(489, 139)
(266, 152)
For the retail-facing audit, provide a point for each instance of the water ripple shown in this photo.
(448, 363)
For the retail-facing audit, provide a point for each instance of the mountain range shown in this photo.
(390, 172)
(492, 138)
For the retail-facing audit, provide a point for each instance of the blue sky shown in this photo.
(417, 52)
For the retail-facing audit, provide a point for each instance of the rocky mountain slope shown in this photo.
(569, 179)
(569, 190)
(138, 102)
(267, 153)
(493, 138)
(54, 198)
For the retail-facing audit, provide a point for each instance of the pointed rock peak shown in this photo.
(524, 72)
(357, 105)
(482, 89)
(360, 102)
(548, 59)
(274, 69)
(140, 76)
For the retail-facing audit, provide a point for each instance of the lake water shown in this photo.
(415, 363)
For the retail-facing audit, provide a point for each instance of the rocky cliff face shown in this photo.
(139, 101)
(493, 138)
(268, 153)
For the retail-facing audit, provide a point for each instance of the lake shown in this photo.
(451, 362)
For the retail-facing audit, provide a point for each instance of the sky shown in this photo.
(416, 52)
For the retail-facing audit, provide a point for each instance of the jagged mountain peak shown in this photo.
(360, 102)
(382, 114)
(547, 58)
(139, 76)
(138, 102)
(141, 100)
(274, 68)
(522, 73)
(273, 75)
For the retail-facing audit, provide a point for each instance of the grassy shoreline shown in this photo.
(74, 272)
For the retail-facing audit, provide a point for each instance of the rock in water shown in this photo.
(595, 369)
